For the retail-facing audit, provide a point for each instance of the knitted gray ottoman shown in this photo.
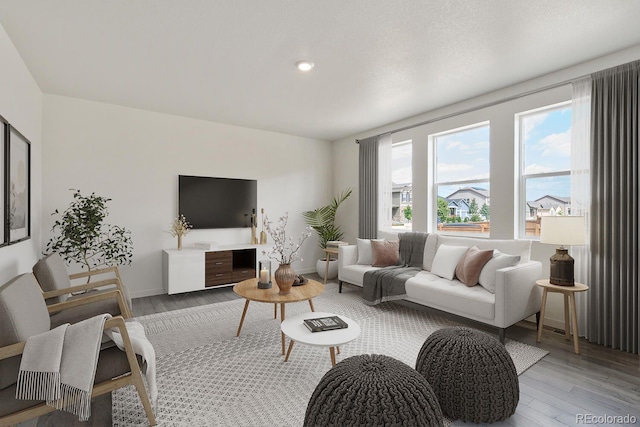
(471, 373)
(373, 390)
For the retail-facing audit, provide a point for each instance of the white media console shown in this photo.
(190, 270)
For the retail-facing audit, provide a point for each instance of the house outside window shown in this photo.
(401, 177)
(544, 137)
(462, 166)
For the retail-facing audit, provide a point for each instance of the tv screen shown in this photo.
(217, 202)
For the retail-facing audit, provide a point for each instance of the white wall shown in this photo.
(503, 172)
(21, 106)
(134, 157)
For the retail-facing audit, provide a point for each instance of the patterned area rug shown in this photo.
(209, 377)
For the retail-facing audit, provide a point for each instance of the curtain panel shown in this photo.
(613, 301)
(368, 188)
(581, 189)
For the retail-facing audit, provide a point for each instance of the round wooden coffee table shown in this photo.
(295, 329)
(248, 289)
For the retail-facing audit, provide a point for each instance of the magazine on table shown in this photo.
(325, 324)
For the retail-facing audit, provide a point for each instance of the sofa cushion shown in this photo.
(51, 273)
(446, 260)
(470, 265)
(451, 296)
(354, 273)
(515, 247)
(365, 252)
(385, 253)
(23, 314)
(430, 247)
(487, 277)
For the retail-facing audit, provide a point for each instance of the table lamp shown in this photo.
(562, 230)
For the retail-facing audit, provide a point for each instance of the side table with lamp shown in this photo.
(562, 230)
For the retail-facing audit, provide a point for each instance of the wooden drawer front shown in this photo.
(243, 274)
(215, 279)
(218, 262)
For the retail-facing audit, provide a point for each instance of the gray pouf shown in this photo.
(471, 373)
(373, 390)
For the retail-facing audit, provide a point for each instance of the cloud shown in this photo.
(536, 168)
(481, 145)
(452, 144)
(401, 176)
(556, 144)
(453, 167)
(531, 122)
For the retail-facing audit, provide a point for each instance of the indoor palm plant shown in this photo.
(322, 220)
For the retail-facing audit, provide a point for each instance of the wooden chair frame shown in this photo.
(133, 377)
(118, 292)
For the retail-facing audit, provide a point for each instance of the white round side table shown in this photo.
(295, 329)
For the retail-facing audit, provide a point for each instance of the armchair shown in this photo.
(23, 313)
(107, 295)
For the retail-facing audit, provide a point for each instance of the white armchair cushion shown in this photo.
(446, 260)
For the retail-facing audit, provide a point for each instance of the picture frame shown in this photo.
(18, 187)
(4, 127)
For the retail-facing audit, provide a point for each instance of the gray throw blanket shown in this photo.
(387, 283)
(59, 366)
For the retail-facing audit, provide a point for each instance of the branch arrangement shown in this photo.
(284, 250)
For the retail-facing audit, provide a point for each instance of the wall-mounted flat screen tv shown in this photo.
(208, 202)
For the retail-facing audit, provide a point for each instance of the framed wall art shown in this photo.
(19, 186)
(4, 137)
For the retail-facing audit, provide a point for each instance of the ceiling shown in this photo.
(376, 61)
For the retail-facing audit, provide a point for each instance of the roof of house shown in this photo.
(481, 192)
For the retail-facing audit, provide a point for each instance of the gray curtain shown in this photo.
(368, 188)
(613, 301)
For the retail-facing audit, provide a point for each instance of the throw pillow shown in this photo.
(365, 256)
(446, 260)
(470, 265)
(385, 253)
(487, 277)
(430, 248)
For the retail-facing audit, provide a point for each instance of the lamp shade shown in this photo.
(563, 230)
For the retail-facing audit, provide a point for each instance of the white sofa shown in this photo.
(516, 295)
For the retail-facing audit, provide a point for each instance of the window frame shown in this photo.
(434, 184)
(521, 199)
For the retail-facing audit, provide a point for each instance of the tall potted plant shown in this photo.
(81, 235)
(322, 220)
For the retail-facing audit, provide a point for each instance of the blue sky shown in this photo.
(464, 155)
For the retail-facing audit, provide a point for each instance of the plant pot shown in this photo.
(284, 277)
(321, 266)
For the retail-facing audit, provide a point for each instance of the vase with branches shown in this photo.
(284, 251)
(179, 228)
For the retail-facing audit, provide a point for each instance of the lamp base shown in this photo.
(562, 264)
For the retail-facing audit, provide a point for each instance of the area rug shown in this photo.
(209, 377)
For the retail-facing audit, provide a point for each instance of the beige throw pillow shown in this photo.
(446, 260)
(471, 264)
(385, 253)
(365, 254)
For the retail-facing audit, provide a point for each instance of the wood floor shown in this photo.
(564, 388)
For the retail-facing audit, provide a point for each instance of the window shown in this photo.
(545, 165)
(401, 178)
(462, 180)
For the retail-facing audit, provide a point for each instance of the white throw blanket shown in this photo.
(141, 346)
(64, 376)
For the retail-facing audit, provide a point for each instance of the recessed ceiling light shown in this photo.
(304, 65)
